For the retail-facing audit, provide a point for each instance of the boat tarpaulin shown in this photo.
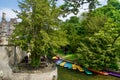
(58, 61)
(62, 64)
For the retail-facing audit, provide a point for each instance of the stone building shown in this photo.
(6, 28)
(8, 58)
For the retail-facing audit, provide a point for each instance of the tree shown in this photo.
(73, 6)
(71, 28)
(39, 30)
(99, 48)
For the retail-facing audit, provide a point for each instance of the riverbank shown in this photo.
(68, 74)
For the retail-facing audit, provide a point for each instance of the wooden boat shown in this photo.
(87, 71)
(68, 65)
(58, 61)
(80, 68)
(113, 73)
(98, 72)
(62, 64)
(74, 66)
(55, 58)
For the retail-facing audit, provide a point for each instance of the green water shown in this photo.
(67, 74)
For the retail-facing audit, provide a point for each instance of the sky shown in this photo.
(7, 6)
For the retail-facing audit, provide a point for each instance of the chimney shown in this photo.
(3, 17)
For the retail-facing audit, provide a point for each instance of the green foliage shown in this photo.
(96, 52)
(71, 57)
(71, 28)
(39, 30)
(72, 6)
(99, 47)
(96, 38)
(93, 39)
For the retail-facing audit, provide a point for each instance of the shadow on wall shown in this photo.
(20, 54)
(7, 60)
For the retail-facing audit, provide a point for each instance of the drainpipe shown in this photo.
(15, 56)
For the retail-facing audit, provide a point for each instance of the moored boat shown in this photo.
(87, 71)
(58, 61)
(80, 68)
(62, 64)
(112, 73)
(67, 64)
(98, 72)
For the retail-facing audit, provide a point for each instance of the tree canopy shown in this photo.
(100, 48)
(39, 31)
(94, 38)
(73, 6)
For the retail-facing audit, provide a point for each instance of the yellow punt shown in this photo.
(62, 64)
(80, 69)
(55, 57)
(74, 66)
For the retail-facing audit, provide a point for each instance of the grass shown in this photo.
(71, 57)
(67, 74)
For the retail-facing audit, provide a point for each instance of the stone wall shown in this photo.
(20, 54)
(5, 69)
(6, 73)
(50, 75)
